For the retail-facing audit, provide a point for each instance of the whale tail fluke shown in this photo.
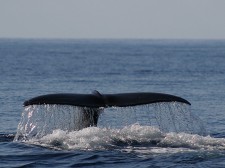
(96, 100)
(92, 104)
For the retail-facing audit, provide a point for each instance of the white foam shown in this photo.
(193, 141)
(145, 139)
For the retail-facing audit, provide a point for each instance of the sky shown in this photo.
(148, 19)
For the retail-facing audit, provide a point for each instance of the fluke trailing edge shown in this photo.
(96, 100)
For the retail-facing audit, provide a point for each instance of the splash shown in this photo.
(100, 138)
(168, 117)
(38, 121)
(177, 117)
(133, 138)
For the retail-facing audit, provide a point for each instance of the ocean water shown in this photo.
(156, 135)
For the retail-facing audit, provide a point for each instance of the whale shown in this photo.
(96, 100)
(93, 103)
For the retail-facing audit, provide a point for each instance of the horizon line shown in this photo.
(109, 38)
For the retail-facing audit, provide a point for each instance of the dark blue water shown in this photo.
(192, 69)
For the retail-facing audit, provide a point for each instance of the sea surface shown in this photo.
(155, 135)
